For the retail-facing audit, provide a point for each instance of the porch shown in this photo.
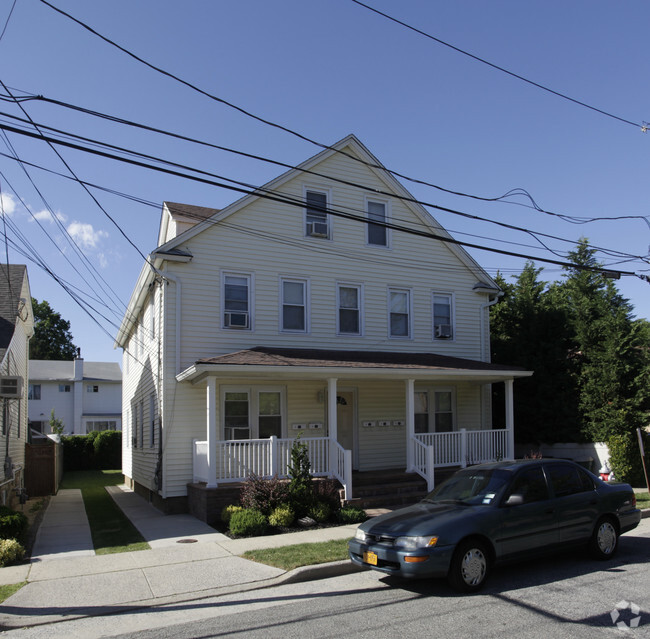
(430, 452)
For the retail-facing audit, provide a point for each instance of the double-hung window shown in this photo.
(443, 327)
(236, 301)
(34, 391)
(64, 388)
(349, 309)
(294, 305)
(434, 411)
(377, 232)
(253, 412)
(400, 312)
(317, 221)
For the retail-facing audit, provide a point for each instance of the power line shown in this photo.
(503, 198)
(517, 191)
(535, 234)
(499, 68)
(259, 191)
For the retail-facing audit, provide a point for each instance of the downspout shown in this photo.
(177, 347)
(485, 345)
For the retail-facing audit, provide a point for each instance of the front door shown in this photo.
(345, 419)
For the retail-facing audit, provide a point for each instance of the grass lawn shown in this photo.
(110, 529)
(7, 591)
(643, 500)
(290, 557)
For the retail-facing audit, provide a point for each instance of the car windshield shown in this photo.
(471, 487)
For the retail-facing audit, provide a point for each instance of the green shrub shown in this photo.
(625, 457)
(351, 515)
(301, 495)
(107, 446)
(282, 516)
(10, 552)
(248, 523)
(78, 452)
(264, 494)
(228, 512)
(13, 525)
(327, 491)
(320, 511)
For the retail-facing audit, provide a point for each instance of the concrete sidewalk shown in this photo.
(188, 560)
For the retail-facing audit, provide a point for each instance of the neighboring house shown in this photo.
(16, 328)
(306, 313)
(85, 396)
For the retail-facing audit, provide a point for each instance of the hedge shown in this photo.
(98, 450)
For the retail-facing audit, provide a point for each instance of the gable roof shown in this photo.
(350, 145)
(12, 277)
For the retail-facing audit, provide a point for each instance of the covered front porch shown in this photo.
(419, 441)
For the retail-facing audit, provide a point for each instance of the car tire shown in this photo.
(469, 566)
(604, 541)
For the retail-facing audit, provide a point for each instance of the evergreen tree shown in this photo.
(52, 338)
(530, 330)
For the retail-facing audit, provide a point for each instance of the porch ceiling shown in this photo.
(287, 363)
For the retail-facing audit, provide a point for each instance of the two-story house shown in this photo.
(16, 328)
(85, 396)
(327, 304)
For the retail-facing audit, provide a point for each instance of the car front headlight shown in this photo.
(415, 543)
(360, 535)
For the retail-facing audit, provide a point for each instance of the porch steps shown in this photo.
(386, 489)
(391, 489)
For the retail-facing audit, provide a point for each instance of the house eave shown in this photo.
(199, 373)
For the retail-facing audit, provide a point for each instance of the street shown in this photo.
(567, 595)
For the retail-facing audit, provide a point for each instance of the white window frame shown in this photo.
(359, 289)
(409, 295)
(387, 216)
(152, 419)
(31, 392)
(152, 314)
(92, 388)
(305, 304)
(250, 301)
(437, 334)
(431, 400)
(328, 218)
(65, 388)
(253, 393)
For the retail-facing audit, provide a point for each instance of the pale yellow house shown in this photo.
(322, 305)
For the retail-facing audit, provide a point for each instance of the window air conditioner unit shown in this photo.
(318, 229)
(11, 387)
(443, 331)
(236, 320)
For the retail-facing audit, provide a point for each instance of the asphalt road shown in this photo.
(567, 595)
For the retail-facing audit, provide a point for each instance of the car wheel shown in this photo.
(604, 541)
(469, 567)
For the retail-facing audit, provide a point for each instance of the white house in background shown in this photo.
(16, 328)
(307, 308)
(85, 396)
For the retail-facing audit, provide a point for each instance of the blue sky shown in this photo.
(325, 69)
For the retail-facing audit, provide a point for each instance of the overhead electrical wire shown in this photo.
(193, 87)
(259, 191)
(535, 234)
(642, 127)
(504, 199)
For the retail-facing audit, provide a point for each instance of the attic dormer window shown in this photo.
(317, 220)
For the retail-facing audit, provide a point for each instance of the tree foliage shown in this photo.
(590, 357)
(52, 338)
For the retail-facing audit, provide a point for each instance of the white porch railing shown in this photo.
(342, 468)
(458, 448)
(237, 459)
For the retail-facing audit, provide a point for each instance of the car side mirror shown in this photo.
(514, 500)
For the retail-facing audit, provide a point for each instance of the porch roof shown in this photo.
(320, 363)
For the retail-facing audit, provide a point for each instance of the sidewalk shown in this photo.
(188, 560)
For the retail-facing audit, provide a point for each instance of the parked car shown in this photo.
(490, 513)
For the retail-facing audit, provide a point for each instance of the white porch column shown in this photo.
(332, 425)
(410, 423)
(211, 405)
(510, 418)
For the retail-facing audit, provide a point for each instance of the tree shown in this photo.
(530, 330)
(52, 338)
(610, 351)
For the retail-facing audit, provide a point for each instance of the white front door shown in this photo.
(346, 423)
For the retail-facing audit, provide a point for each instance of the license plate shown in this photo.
(370, 557)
